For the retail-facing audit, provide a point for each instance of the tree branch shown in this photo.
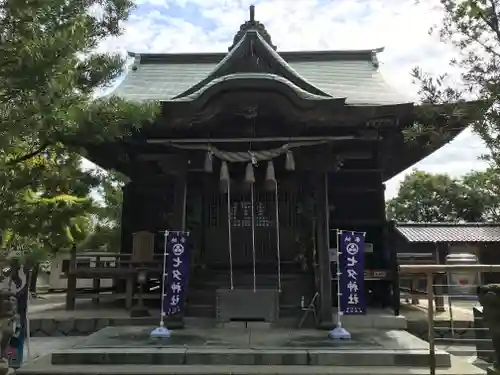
(28, 156)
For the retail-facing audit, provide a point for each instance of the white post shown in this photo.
(339, 332)
(162, 331)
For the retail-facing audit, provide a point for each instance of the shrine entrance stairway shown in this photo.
(217, 351)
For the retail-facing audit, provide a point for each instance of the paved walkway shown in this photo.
(459, 311)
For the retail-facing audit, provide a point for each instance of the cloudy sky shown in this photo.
(401, 26)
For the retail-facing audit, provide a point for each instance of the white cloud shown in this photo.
(399, 25)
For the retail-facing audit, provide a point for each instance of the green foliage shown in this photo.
(107, 229)
(425, 197)
(50, 73)
(473, 28)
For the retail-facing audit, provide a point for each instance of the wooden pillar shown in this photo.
(179, 214)
(127, 215)
(322, 243)
(71, 287)
(126, 218)
(389, 237)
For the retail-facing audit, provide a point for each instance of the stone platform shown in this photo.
(129, 350)
(54, 320)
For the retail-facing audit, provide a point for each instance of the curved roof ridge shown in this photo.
(265, 76)
(252, 53)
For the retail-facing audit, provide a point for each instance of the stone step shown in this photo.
(460, 368)
(42, 366)
(246, 356)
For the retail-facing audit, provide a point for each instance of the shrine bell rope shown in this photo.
(252, 188)
(278, 253)
(252, 158)
(229, 235)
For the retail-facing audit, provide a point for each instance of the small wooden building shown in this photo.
(440, 239)
(306, 140)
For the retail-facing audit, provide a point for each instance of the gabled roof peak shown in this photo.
(252, 24)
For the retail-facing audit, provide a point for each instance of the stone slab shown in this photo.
(258, 357)
(42, 366)
(138, 336)
(132, 345)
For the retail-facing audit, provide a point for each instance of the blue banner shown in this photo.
(176, 272)
(352, 273)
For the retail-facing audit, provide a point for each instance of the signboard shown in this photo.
(352, 269)
(176, 272)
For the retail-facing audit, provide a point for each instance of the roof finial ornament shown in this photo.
(254, 25)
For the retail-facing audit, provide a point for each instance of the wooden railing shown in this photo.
(105, 265)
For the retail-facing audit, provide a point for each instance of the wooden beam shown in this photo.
(322, 242)
(257, 139)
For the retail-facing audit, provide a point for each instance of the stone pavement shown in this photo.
(459, 311)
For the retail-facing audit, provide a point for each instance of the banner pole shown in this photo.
(339, 294)
(253, 237)
(162, 331)
(339, 332)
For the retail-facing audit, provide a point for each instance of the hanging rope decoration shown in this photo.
(247, 156)
(252, 158)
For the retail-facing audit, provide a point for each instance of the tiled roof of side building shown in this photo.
(449, 232)
(353, 75)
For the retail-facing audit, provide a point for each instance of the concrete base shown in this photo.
(375, 319)
(42, 366)
(129, 350)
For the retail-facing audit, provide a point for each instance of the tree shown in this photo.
(107, 229)
(425, 197)
(49, 74)
(473, 27)
(484, 191)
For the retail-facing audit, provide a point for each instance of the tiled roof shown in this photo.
(449, 232)
(339, 75)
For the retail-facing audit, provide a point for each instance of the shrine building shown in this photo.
(262, 155)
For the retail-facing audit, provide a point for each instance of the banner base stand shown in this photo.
(160, 333)
(339, 333)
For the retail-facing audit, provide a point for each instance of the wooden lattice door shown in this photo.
(216, 231)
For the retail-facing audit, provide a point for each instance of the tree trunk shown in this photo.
(34, 278)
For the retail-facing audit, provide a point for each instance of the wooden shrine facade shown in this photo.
(261, 165)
